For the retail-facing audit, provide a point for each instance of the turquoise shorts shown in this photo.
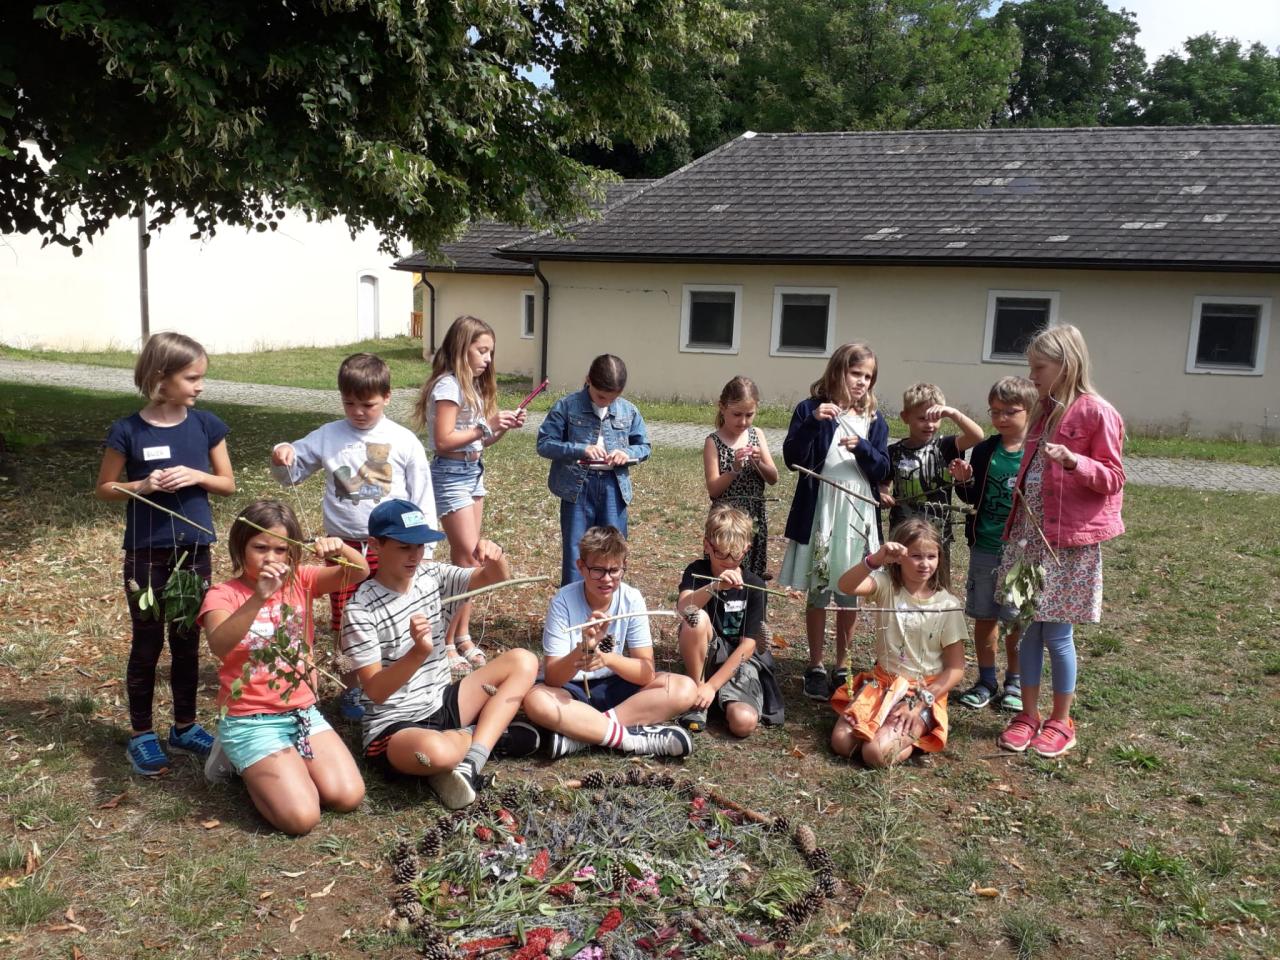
(246, 740)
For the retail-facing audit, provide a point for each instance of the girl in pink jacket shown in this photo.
(1069, 493)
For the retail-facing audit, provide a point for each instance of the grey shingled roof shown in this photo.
(474, 252)
(1157, 197)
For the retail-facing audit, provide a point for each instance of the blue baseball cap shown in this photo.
(403, 521)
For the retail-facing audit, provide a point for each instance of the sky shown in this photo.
(1165, 24)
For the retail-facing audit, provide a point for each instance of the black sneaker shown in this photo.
(520, 739)
(816, 686)
(661, 740)
(839, 677)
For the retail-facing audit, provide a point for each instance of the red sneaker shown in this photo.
(1020, 732)
(1055, 738)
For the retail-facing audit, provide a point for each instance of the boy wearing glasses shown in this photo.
(722, 637)
(986, 482)
(600, 685)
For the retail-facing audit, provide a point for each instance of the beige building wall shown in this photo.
(924, 324)
(499, 301)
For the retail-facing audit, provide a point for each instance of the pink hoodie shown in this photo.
(1081, 506)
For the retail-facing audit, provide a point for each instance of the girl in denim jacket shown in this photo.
(1069, 492)
(592, 437)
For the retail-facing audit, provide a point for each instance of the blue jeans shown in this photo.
(599, 504)
(1060, 639)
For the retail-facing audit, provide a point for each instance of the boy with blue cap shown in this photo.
(417, 720)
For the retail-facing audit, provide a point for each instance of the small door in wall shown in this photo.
(367, 308)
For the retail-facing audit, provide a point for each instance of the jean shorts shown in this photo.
(980, 589)
(246, 740)
(457, 483)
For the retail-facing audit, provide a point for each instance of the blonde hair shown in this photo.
(479, 393)
(919, 393)
(163, 355)
(831, 385)
(728, 529)
(605, 543)
(913, 530)
(265, 513)
(737, 390)
(1062, 344)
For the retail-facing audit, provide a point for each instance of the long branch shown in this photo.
(623, 616)
(513, 582)
(340, 561)
(752, 586)
(156, 506)
(1035, 522)
(839, 486)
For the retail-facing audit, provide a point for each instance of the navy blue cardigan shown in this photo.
(807, 443)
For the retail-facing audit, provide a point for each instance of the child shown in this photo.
(901, 703)
(418, 720)
(366, 458)
(725, 651)
(1069, 492)
(737, 464)
(986, 483)
(596, 690)
(918, 482)
(292, 761)
(459, 404)
(839, 433)
(174, 455)
(591, 438)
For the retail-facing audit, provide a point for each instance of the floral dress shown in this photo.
(746, 492)
(844, 529)
(1073, 585)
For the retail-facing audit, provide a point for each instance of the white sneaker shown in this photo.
(562, 746)
(454, 789)
(661, 740)
(217, 768)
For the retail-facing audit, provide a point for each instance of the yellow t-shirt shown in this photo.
(909, 641)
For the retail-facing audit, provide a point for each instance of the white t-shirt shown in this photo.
(569, 607)
(448, 388)
(909, 642)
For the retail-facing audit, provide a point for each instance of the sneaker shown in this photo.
(349, 705)
(839, 677)
(695, 721)
(520, 739)
(1010, 698)
(1019, 733)
(146, 755)
(454, 789)
(978, 696)
(1055, 738)
(561, 746)
(195, 740)
(661, 740)
(217, 767)
(816, 686)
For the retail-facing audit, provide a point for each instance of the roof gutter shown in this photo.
(431, 315)
(546, 315)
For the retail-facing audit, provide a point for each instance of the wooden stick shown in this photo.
(529, 399)
(1036, 523)
(623, 616)
(297, 543)
(152, 503)
(513, 582)
(751, 586)
(893, 609)
(839, 486)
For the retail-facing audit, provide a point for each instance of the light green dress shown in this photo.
(844, 529)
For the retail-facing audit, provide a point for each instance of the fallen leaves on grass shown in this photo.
(114, 801)
(325, 892)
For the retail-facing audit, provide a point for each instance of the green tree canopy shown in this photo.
(406, 117)
(1216, 82)
(1081, 64)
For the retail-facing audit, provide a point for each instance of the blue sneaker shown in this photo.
(146, 756)
(349, 704)
(194, 740)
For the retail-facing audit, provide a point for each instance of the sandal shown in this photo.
(472, 652)
(458, 666)
(978, 696)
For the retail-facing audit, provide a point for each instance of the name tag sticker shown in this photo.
(413, 519)
(735, 606)
(155, 453)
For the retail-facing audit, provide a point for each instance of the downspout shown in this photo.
(546, 315)
(431, 314)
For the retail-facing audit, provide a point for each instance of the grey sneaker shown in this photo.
(661, 740)
(695, 721)
(454, 789)
(217, 768)
(562, 746)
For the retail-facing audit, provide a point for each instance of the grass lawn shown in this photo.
(316, 367)
(1159, 836)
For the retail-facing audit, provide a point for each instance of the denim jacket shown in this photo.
(572, 425)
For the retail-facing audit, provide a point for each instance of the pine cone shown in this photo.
(598, 798)
(780, 825)
(618, 780)
(666, 781)
(595, 823)
(404, 894)
(593, 780)
(799, 910)
(805, 840)
(459, 816)
(635, 777)
(821, 862)
(510, 798)
(429, 845)
(401, 853)
(684, 787)
(427, 931)
(411, 912)
(826, 885)
(444, 825)
(406, 871)
(436, 950)
(784, 929)
(617, 876)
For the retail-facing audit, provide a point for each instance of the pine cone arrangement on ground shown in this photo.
(401, 853)
(593, 780)
(805, 840)
(411, 912)
(436, 950)
(444, 825)
(406, 871)
(799, 910)
(785, 929)
(403, 895)
(510, 798)
(429, 845)
(826, 885)
(635, 777)
(820, 861)
(618, 780)
(780, 825)
(617, 876)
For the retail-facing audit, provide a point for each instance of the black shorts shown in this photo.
(446, 717)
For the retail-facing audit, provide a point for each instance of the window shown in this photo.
(1014, 317)
(528, 311)
(804, 321)
(710, 320)
(1229, 335)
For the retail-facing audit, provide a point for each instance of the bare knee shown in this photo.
(873, 755)
(523, 662)
(295, 819)
(842, 739)
(347, 798)
(742, 719)
(682, 690)
(541, 706)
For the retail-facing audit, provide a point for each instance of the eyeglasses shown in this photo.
(1005, 412)
(599, 573)
(727, 557)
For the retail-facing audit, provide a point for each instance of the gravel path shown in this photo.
(1150, 471)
